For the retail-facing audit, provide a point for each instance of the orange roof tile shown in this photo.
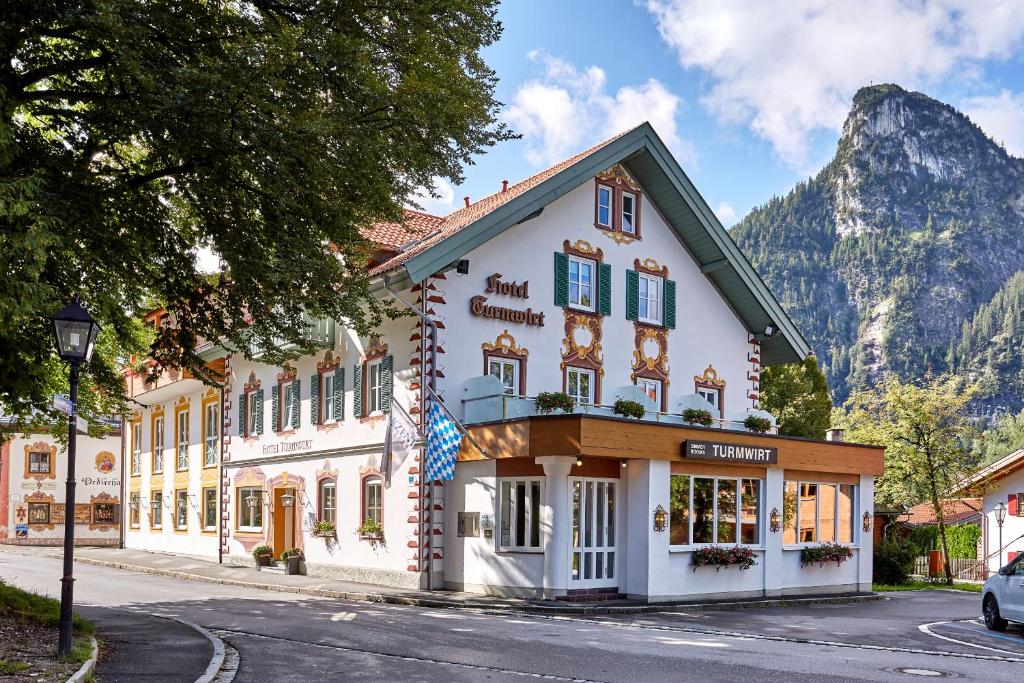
(954, 511)
(415, 225)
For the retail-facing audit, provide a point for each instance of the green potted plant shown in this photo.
(628, 408)
(371, 530)
(262, 554)
(824, 553)
(698, 416)
(550, 401)
(324, 529)
(757, 424)
(291, 559)
(718, 556)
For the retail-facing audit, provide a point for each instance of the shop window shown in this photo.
(39, 462)
(158, 444)
(209, 509)
(721, 510)
(134, 511)
(373, 500)
(814, 512)
(211, 436)
(579, 384)
(519, 512)
(156, 509)
(136, 448)
(181, 510)
(250, 517)
(326, 497)
(181, 440)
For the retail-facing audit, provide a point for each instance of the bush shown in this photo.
(698, 416)
(962, 540)
(548, 401)
(757, 424)
(894, 562)
(628, 408)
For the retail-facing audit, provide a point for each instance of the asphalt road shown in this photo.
(297, 638)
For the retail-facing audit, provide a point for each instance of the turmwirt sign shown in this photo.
(729, 452)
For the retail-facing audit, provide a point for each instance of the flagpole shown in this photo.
(455, 420)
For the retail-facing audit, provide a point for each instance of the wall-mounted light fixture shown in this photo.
(579, 462)
(867, 521)
(773, 520)
(660, 518)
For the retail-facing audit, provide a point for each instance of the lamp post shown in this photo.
(1000, 511)
(76, 333)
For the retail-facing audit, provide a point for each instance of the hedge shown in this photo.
(962, 540)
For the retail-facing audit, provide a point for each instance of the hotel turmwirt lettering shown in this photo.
(584, 347)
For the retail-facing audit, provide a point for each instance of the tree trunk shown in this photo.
(937, 505)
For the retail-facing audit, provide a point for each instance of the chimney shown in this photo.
(834, 434)
(504, 186)
(466, 199)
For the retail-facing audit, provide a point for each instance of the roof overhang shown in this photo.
(684, 209)
(1005, 466)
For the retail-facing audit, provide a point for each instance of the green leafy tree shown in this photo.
(925, 430)
(133, 135)
(797, 395)
(1006, 436)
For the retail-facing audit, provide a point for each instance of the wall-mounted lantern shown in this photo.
(867, 521)
(660, 518)
(773, 520)
(288, 499)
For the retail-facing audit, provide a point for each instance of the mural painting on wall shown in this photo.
(105, 462)
(21, 514)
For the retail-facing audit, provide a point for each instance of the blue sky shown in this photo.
(750, 97)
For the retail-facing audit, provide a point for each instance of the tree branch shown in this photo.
(35, 75)
(139, 181)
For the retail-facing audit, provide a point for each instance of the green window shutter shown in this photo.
(339, 394)
(632, 295)
(357, 390)
(561, 279)
(259, 412)
(275, 407)
(604, 288)
(296, 416)
(241, 414)
(314, 399)
(386, 383)
(670, 304)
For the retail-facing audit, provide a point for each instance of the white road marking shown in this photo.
(926, 628)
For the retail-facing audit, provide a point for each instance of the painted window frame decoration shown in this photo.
(327, 512)
(582, 253)
(211, 429)
(376, 354)
(156, 509)
(508, 537)
(366, 511)
(327, 392)
(244, 513)
(286, 400)
(712, 384)
(135, 510)
(577, 396)
(505, 350)
(619, 184)
(136, 461)
(683, 522)
(181, 511)
(250, 408)
(792, 515)
(649, 271)
(159, 442)
(209, 521)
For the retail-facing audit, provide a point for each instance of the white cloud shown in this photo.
(441, 205)
(569, 109)
(789, 68)
(1001, 117)
(726, 214)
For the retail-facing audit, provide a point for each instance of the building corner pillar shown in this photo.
(555, 522)
(773, 568)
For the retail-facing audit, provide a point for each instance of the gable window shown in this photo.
(581, 283)
(327, 500)
(650, 299)
(158, 444)
(579, 384)
(209, 508)
(815, 512)
(211, 438)
(250, 517)
(156, 509)
(604, 206)
(136, 448)
(651, 387)
(628, 201)
(714, 510)
(39, 462)
(181, 440)
(519, 510)
(507, 370)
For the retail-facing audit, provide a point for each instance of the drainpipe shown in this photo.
(220, 483)
(425, 488)
(124, 479)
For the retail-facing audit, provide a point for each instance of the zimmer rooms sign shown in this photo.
(729, 452)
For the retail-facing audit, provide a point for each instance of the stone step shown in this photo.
(273, 569)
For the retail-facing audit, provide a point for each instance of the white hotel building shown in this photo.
(605, 276)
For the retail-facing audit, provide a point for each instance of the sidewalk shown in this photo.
(203, 570)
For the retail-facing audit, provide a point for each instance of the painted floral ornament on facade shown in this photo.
(618, 176)
(710, 378)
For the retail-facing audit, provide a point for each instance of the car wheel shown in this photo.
(991, 612)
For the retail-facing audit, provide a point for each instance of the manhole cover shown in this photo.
(923, 672)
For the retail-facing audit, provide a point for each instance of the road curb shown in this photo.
(89, 666)
(216, 661)
(441, 603)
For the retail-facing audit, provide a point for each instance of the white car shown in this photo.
(1002, 599)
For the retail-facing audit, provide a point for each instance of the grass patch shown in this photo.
(20, 604)
(10, 667)
(926, 585)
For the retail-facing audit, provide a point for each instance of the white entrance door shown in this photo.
(594, 533)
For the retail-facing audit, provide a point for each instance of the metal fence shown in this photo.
(963, 568)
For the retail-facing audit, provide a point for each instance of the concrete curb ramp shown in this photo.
(527, 608)
(88, 667)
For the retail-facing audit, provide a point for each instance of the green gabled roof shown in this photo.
(647, 159)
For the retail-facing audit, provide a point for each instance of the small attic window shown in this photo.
(617, 204)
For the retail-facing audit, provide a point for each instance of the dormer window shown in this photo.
(617, 204)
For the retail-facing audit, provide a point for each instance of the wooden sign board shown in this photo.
(729, 452)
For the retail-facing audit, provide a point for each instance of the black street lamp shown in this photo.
(1000, 511)
(76, 333)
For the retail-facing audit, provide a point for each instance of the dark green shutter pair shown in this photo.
(314, 399)
(603, 289)
(668, 318)
(275, 407)
(259, 412)
(296, 416)
(357, 390)
(241, 414)
(386, 388)
(339, 394)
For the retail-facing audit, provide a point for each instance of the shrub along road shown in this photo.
(295, 638)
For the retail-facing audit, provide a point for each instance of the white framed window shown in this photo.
(134, 510)
(579, 384)
(328, 399)
(720, 510)
(815, 512)
(156, 509)
(158, 444)
(650, 299)
(182, 440)
(251, 406)
(287, 405)
(327, 500)
(372, 500)
(712, 396)
(39, 462)
(507, 370)
(211, 439)
(209, 508)
(374, 384)
(604, 206)
(519, 514)
(651, 387)
(250, 517)
(181, 509)
(628, 212)
(137, 448)
(581, 283)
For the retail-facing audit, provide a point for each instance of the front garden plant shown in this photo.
(719, 556)
(550, 401)
(628, 408)
(824, 554)
(698, 416)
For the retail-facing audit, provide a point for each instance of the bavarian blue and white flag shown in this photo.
(443, 439)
